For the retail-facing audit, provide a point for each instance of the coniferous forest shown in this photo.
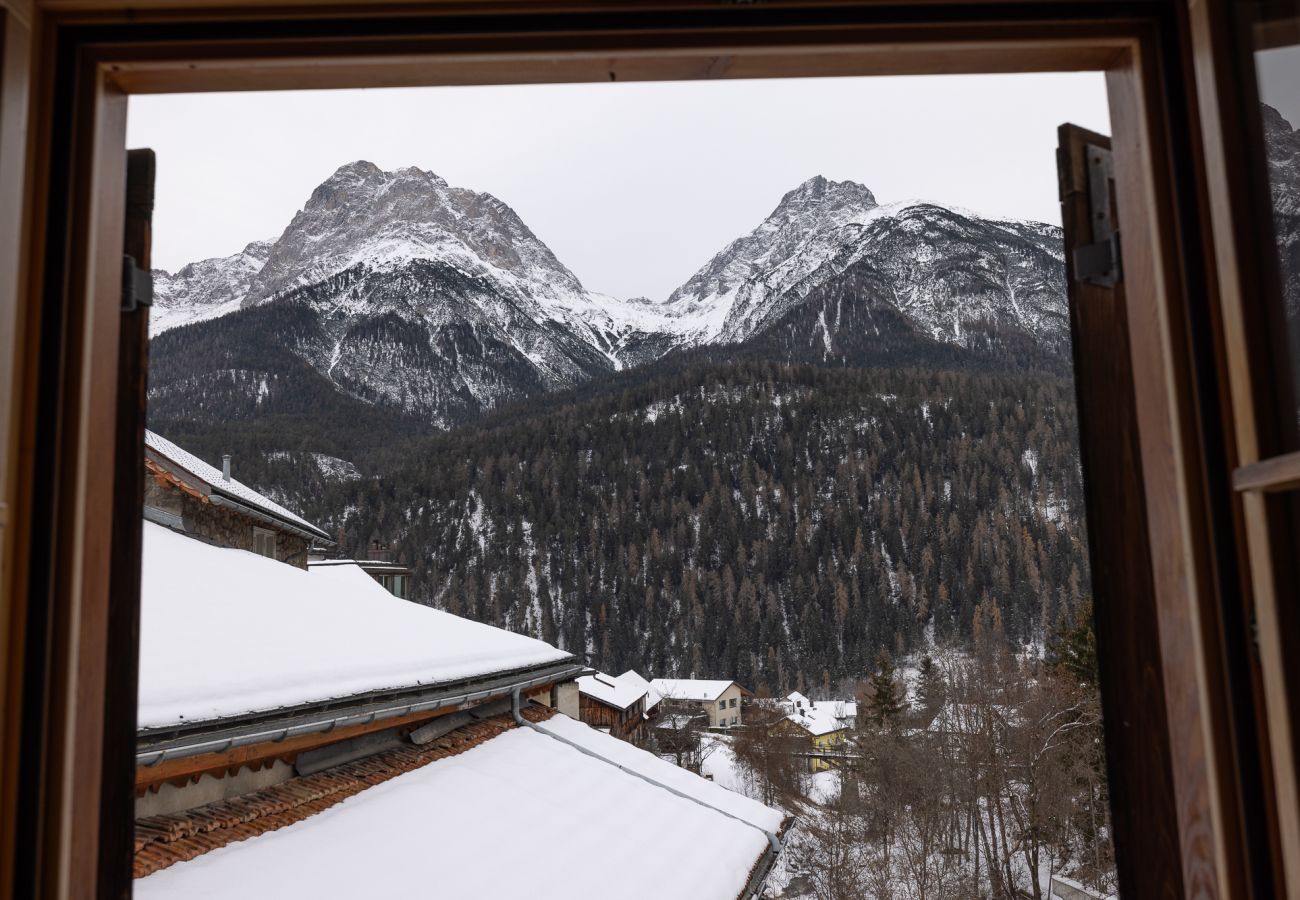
(776, 523)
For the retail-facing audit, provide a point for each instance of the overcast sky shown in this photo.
(1279, 75)
(634, 186)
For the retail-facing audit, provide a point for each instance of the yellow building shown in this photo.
(824, 731)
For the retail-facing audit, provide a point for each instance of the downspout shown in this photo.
(772, 838)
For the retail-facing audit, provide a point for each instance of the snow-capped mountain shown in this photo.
(947, 272)
(412, 293)
(205, 289)
(720, 302)
(400, 291)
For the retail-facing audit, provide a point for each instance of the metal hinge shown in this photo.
(137, 285)
(1099, 262)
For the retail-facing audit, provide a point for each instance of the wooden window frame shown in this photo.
(1201, 819)
(260, 538)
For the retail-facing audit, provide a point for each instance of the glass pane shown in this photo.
(1275, 36)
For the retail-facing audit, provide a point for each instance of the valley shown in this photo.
(851, 427)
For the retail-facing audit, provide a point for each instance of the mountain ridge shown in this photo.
(378, 225)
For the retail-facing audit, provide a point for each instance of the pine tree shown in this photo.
(1073, 649)
(884, 699)
(930, 691)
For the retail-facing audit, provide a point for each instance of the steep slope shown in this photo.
(751, 519)
(432, 304)
(810, 224)
(873, 275)
(925, 285)
(206, 289)
(434, 301)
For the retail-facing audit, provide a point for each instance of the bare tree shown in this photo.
(770, 755)
(678, 731)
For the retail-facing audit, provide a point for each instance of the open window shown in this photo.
(1200, 754)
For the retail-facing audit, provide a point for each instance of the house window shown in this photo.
(722, 704)
(264, 542)
(733, 702)
(734, 720)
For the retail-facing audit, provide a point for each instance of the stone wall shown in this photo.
(221, 525)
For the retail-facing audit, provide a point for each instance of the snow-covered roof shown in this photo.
(226, 632)
(798, 699)
(690, 688)
(218, 484)
(816, 721)
(652, 695)
(842, 709)
(611, 691)
(454, 828)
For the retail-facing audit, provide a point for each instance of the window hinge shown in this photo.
(1099, 262)
(137, 285)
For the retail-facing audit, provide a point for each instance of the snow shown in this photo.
(816, 721)
(818, 717)
(1030, 459)
(719, 763)
(231, 488)
(463, 826)
(378, 223)
(633, 677)
(226, 632)
(690, 688)
(610, 691)
(650, 766)
(335, 468)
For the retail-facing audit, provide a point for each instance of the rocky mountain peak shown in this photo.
(364, 215)
(818, 192)
(809, 223)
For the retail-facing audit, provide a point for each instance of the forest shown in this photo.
(776, 523)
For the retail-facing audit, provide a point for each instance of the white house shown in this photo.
(722, 700)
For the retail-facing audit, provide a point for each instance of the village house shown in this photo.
(819, 724)
(845, 712)
(722, 701)
(652, 696)
(185, 494)
(270, 692)
(612, 705)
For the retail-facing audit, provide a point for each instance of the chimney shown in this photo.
(225, 466)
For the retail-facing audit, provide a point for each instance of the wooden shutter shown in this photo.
(1143, 806)
(117, 811)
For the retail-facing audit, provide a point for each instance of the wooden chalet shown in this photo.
(652, 696)
(613, 705)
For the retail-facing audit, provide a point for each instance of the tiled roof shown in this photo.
(235, 490)
(161, 841)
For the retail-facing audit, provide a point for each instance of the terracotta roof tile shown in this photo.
(163, 840)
